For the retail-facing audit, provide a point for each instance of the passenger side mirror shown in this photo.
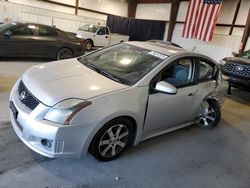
(8, 34)
(165, 87)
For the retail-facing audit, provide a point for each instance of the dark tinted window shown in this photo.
(179, 73)
(24, 30)
(46, 31)
(106, 30)
(88, 28)
(101, 31)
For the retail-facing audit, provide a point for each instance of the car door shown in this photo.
(102, 37)
(166, 110)
(206, 76)
(47, 43)
(18, 43)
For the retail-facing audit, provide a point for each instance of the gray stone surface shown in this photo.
(190, 158)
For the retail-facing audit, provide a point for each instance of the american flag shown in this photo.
(201, 19)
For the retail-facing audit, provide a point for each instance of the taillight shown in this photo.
(82, 42)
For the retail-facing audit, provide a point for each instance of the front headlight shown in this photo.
(64, 111)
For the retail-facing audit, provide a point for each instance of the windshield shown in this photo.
(246, 54)
(89, 28)
(123, 63)
(6, 26)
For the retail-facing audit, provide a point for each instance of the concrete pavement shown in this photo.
(190, 158)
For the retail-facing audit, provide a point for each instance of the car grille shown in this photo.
(26, 97)
(236, 69)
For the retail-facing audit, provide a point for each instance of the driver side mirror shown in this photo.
(8, 34)
(165, 87)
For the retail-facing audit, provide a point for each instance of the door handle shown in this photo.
(190, 94)
(29, 39)
(106, 37)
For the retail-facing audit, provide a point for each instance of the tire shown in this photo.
(64, 53)
(88, 45)
(112, 140)
(210, 116)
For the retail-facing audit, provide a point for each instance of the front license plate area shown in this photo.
(13, 109)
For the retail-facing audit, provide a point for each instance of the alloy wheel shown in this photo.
(114, 140)
(88, 46)
(208, 116)
(64, 54)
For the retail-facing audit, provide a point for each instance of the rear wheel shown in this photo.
(112, 140)
(88, 45)
(64, 53)
(210, 116)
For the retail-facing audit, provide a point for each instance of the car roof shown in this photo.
(31, 23)
(162, 42)
(168, 50)
(158, 47)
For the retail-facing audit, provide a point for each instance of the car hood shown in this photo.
(236, 59)
(56, 81)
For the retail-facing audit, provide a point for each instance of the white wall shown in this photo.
(153, 11)
(242, 16)
(222, 44)
(182, 11)
(227, 12)
(44, 5)
(92, 15)
(64, 21)
(116, 7)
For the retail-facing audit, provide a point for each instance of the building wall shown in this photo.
(153, 11)
(115, 7)
(61, 16)
(222, 45)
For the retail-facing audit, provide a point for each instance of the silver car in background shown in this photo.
(113, 98)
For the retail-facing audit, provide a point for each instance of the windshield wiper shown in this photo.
(103, 72)
(107, 74)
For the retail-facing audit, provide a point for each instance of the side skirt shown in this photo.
(167, 130)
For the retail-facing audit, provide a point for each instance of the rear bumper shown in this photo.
(79, 51)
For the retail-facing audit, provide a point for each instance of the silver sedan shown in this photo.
(114, 98)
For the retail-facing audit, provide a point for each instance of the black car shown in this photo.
(36, 40)
(238, 70)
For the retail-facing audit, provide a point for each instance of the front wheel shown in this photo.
(64, 53)
(210, 116)
(112, 140)
(88, 45)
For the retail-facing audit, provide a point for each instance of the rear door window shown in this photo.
(207, 71)
(46, 31)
